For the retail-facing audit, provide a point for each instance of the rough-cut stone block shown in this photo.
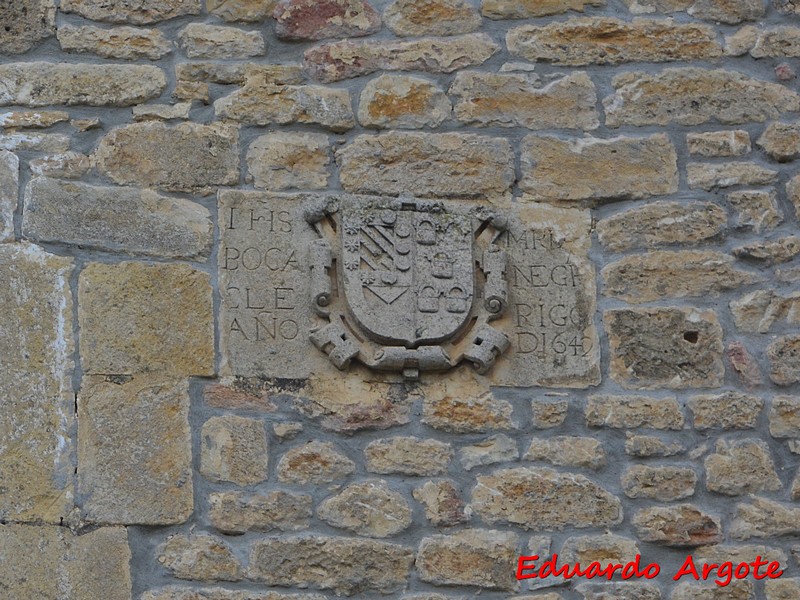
(730, 410)
(720, 553)
(162, 112)
(123, 11)
(32, 119)
(737, 590)
(662, 223)
(647, 446)
(551, 299)
(51, 563)
(654, 348)
(189, 157)
(512, 100)
(115, 219)
(766, 519)
(691, 96)
(661, 274)
(123, 417)
(664, 484)
(759, 310)
(784, 417)
(344, 60)
(408, 456)
(781, 141)
(431, 17)
(282, 161)
(46, 83)
(464, 403)
(314, 463)
(247, 11)
(782, 589)
(594, 170)
(199, 40)
(370, 509)
(234, 449)
(547, 413)
(426, 164)
(266, 103)
(604, 40)
(727, 11)
(741, 467)
(619, 591)
(200, 557)
(784, 360)
(604, 549)
(719, 143)
(36, 395)
(770, 252)
(310, 20)
(402, 102)
(756, 209)
(126, 43)
(145, 318)
(677, 526)
(494, 449)
(237, 512)
(543, 499)
(9, 194)
(344, 565)
(25, 24)
(34, 142)
(442, 503)
(476, 557)
(776, 42)
(568, 451)
(629, 412)
(523, 9)
(707, 176)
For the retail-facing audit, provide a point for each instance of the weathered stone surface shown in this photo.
(25, 24)
(200, 557)
(162, 112)
(287, 431)
(737, 554)
(314, 463)
(593, 170)
(282, 161)
(122, 11)
(551, 285)
(199, 40)
(239, 393)
(735, 142)
(737, 590)
(431, 17)
(464, 404)
(707, 176)
(662, 223)
(759, 310)
(142, 417)
(36, 347)
(237, 512)
(344, 565)
(176, 592)
(426, 164)
(442, 502)
(32, 119)
(678, 526)
(9, 194)
(240, 73)
(185, 158)
(673, 274)
(541, 498)
(344, 60)
(782, 589)
(756, 209)
(779, 41)
(619, 591)
(512, 100)
(477, 557)
(744, 365)
(727, 11)
(248, 11)
(522, 9)
(126, 43)
(729, 410)
(598, 548)
(691, 96)
(547, 413)
(664, 484)
(146, 318)
(370, 508)
(603, 40)
(770, 252)
(115, 219)
(234, 449)
(568, 451)
(266, 103)
(49, 562)
(628, 412)
(741, 467)
(784, 417)
(402, 102)
(655, 348)
(34, 142)
(494, 449)
(408, 456)
(764, 518)
(45, 83)
(781, 141)
(307, 20)
(647, 446)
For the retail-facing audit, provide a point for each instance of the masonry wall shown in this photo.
(197, 398)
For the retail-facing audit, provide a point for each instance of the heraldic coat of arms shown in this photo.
(396, 284)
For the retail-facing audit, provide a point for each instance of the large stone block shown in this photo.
(523, 9)
(238, 512)
(125, 43)
(370, 509)
(431, 17)
(124, 11)
(248, 11)
(199, 40)
(402, 102)
(310, 20)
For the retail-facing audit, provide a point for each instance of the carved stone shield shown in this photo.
(407, 274)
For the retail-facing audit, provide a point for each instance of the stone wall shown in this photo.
(334, 298)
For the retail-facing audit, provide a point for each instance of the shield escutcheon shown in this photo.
(407, 274)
